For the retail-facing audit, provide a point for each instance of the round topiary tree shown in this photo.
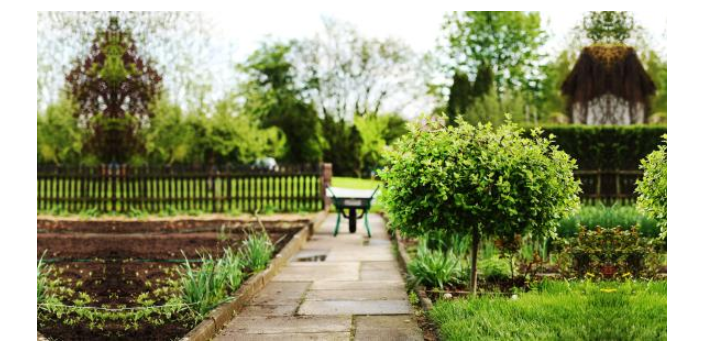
(477, 181)
(652, 189)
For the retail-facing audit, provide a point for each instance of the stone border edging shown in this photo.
(404, 259)
(221, 315)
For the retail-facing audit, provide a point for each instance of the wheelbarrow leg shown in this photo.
(366, 223)
(337, 227)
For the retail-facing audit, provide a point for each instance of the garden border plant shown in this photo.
(652, 189)
(477, 181)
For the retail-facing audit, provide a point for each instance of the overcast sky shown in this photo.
(419, 28)
(235, 35)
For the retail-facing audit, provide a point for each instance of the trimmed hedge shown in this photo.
(607, 147)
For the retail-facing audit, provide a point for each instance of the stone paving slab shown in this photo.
(354, 307)
(269, 311)
(318, 272)
(359, 279)
(363, 294)
(296, 324)
(281, 293)
(387, 328)
(356, 285)
(292, 336)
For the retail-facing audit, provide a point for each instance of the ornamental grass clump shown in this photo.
(257, 251)
(435, 268)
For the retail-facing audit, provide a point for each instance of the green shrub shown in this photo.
(435, 268)
(256, 251)
(494, 269)
(652, 189)
(607, 147)
(610, 253)
(560, 311)
(477, 182)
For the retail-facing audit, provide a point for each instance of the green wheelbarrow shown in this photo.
(357, 204)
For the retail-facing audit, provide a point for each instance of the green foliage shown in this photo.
(273, 98)
(657, 70)
(60, 139)
(202, 288)
(591, 217)
(172, 137)
(611, 254)
(489, 107)
(228, 136)
(205, 287)
(435, 268)
(564, 311)
(652, 189)
(608, 26)
(344, 147)
(232, 265)
(507, 41)
(552, 103)
(256, 251)
(42, 272)
(494, 269)
(376, 133)
(466, 179)
(607, 147)
(477, 181)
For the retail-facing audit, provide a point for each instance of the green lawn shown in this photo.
(560, 311)
(355, 183)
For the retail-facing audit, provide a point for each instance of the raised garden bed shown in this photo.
(122, 270)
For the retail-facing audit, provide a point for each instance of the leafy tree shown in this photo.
(608, 26)
(505, 41)
(478, 181)
(377, 132)
(460, 97)
(113, 89)
(178, 42)
(552, 104)
(657, 70)
(273, 98)
(487, 107)
(652, 189)
(345, 151)
(172, 135)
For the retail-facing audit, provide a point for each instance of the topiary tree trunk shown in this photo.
(473, 271)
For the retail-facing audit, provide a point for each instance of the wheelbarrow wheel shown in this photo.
(353, 220)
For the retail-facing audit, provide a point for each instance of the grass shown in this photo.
(355, 183)
(560, 311)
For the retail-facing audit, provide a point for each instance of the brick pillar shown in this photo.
(325, 181)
